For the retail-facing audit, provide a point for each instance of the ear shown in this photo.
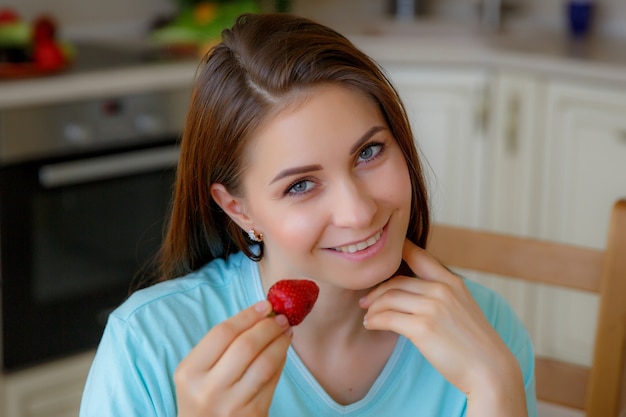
(232, 206)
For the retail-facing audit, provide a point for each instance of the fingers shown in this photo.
(264, 371)
(425, 267)
(422, 263)
(404, 300)
(236, 366)
(209, 350)
(246, 348)
(399, 291)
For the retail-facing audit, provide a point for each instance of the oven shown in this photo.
(85, 188)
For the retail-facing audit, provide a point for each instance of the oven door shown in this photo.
(74, 234)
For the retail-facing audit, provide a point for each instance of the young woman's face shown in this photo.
(329, 188)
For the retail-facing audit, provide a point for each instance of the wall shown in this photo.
(545, 15)
(121, 17)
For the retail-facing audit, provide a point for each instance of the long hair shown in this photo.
(261, 63)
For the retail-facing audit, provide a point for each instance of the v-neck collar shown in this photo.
(300, 375)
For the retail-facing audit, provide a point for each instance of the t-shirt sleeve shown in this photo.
(523, 350)
(115, 386)
(511, 329)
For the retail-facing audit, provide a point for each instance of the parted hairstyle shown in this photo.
(262, 62)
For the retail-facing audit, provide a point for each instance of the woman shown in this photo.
(297, 161)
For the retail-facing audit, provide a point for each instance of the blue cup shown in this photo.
(580, 15)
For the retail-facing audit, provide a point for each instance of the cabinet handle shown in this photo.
(512, 127)
(481, 116)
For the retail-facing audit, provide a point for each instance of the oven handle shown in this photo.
(107, 167)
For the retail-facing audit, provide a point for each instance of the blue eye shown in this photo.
(300, 187)
(370, 152)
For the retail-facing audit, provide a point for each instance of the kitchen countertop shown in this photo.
(428, 43)
(595, 59)
(74, 86)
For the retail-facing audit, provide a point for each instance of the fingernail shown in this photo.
(262, 306)
(365, 320)
(282, 320)
(362, 300)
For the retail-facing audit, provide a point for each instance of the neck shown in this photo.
(336, 315)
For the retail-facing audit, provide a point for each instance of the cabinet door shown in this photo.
(515, 153)
(51, 390)
(514, 160)
(585, 162)
(446, 109)
(584, 173)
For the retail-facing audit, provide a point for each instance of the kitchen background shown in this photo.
(524, 129)
(92, 18)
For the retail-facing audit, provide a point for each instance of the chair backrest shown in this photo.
(600, 390)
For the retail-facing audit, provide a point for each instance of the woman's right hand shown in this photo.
(234, 369)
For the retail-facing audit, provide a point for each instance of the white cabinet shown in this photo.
(585, 164)
(584, 173)
(517, 104)
(50, 390)
(446, 108)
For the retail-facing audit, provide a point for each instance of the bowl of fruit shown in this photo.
(198, 24)
(31, 48)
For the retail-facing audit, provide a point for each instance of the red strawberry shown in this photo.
(294, 298)
(48, 55)
(44, 29)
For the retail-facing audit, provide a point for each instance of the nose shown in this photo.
(353, 205)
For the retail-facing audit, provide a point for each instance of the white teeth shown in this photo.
(361, 245)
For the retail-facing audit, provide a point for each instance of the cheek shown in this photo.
(295, 229)
(397, 186)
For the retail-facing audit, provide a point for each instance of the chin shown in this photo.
(376, 276)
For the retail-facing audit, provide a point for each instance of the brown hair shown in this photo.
(261, 61)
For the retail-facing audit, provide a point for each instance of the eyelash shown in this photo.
(371, 145)
(290, 189)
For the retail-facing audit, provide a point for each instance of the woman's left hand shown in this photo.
(437, 313)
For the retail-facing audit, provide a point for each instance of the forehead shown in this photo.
(307, 117)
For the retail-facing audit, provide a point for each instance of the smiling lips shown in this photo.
(361, 245)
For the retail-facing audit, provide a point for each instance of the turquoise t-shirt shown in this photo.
(150, 333)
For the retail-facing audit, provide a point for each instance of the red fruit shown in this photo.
(48, 55)
(44, 28)
(294, 298)
(8, 15)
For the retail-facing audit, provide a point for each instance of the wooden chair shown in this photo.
(600, 390)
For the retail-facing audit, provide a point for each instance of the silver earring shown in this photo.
(254, 236)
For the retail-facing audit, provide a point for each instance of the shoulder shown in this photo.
(504, 319)
(220, 279)
(496, 308)
(491, 302)
(501, 316)
(512, 331)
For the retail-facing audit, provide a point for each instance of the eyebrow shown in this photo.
(295, 171)
(366, 136)
(310, 168)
